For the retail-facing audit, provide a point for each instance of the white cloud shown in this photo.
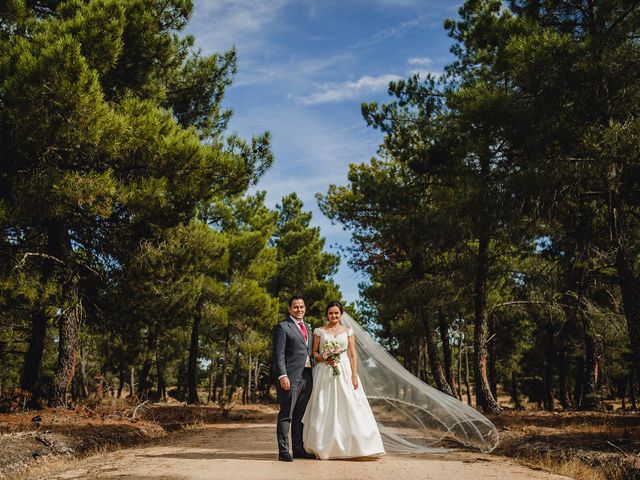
(395, 31)
(294, 72)
(337, 92)
(419, 61)
(222, 24)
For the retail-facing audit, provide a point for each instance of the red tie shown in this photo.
(303, 330)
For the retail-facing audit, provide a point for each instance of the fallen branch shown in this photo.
(618, 448)
(140, 405)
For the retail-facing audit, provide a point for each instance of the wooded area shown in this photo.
(503, 207)
(498, 224)
(132, 256)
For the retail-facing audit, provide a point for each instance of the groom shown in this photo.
(292, 343)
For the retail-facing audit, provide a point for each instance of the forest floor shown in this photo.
(95, 443)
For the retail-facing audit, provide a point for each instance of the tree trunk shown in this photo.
(443, 326)
(547, 396)
(74, 389)
(225, 366)
(212, 372)
(192, 366)
(423, 361)
(256, 369)
(432, 350)
(493, 380)
(83, 384)
(216, 380)
(540, 392)
(515, 396)
(632, 389)
(460, 367)
(466, 376)
(33, 357)
(579, 382)
(484, 397)
(589, 391)
(547, 393)
(162, 384)
(132, 379)
(99, 387)
(68, 326)
(71, 317)
(121, 381)
(145, 374)
(112, 390)
(181, 381)
(563, 391)
(246, 396)
(235, 376)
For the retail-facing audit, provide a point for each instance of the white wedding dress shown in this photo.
(338, 422)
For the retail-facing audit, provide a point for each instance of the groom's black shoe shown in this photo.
(285, 457)
(304, 455)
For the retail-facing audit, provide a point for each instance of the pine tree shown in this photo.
(98, 100)
(304, 268)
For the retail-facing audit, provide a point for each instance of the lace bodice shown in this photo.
(328, 336)
(342, 338)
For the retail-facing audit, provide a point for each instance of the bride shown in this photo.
(338, 421)
(375, 405)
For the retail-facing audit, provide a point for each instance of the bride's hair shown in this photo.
(335, 303)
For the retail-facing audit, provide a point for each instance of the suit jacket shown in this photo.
(290, 353)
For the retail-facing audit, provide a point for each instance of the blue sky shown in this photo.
(304, 68)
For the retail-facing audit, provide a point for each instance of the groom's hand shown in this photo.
(284, 383)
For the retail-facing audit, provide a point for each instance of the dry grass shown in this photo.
(573, 469)
(581, 445)
(579, 470)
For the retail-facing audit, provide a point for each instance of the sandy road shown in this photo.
(246, 451)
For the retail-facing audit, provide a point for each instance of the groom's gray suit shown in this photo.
(290, 355)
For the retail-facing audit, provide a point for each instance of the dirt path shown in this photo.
(244, 451)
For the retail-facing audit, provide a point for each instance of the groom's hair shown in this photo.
(296, 297)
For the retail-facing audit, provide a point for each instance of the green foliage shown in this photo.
(506, 191)
(303, 268)
(123, 196)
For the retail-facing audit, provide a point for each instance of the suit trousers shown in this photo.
(290, 416)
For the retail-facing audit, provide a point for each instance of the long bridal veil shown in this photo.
(414, 417)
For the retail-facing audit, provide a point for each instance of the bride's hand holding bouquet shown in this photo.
(331, 354)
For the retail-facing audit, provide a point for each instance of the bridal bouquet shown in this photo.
(332, 350)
